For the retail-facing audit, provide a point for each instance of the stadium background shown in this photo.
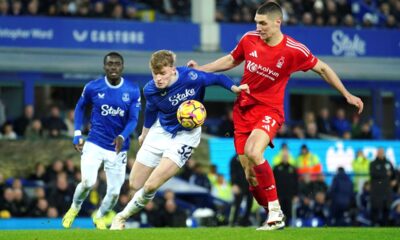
(45, 60)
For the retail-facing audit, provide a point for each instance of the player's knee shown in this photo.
(133, 187)
(88, 184)
(252, 180)
(252, 154)
(150, 187)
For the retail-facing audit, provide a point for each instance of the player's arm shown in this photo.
(221, 64)
(223, 81)
(134, 110)
(150, 117)
(78, 119)
(327, 73)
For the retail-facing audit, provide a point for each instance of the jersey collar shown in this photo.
(112, 86)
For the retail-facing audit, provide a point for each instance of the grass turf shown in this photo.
(206, 233)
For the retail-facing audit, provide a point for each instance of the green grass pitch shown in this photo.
(206, 233)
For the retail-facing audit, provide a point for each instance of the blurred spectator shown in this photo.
(304, 208)
(61, 195)
(172, 216)
(40, 208)
(298, 132)
(222, 189)
(240, 190)
(187, 169)
(53, 170)
(8, 203)
(342, 196)
(8, 132)
(307, 19)
(365, 131)
(348, 21)
(308, 163)
(22, 122)
(98, 10)
(54, 124)
(323, 122)
(340, 124)
(16, 8)
(355, 126)
(320, 207)
(199, 177)
(382, 175)
(283, 132)
(52, 212)
(4, 7)
(361, 170)
(225, 128)
(34, 131)
(283, 153)
(3, 117)
(33, 8)
(363, 203)
(83, 12)
(311, 130)
(21, 202)
(39, 176)
(70, 169)
(213, 175)
(375, 129)
(151, 216)
(287, 184)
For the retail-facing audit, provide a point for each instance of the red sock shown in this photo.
(266, 180)
(260, 195)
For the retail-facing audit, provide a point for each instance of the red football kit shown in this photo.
(266, 70)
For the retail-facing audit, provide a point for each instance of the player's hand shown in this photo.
(77, 141)
(355, 101)
(141, 139)
(192, 64)
(118, 142)
(238, 89)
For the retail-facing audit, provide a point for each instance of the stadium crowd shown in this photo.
(322, 125)
(347, 13)
(368, 198)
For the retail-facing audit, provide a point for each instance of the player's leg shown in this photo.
(254, 150)
(114, 167)
(90, 163)
(144, 165)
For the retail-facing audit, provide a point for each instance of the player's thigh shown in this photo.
(162, 173)
(257, 142)
(139, 175)
(91, 160)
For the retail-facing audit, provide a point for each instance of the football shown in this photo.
(191, 114)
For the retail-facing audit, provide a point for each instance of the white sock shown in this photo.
(274, 206)
(107, 204)
(137, 203)
(80, 195)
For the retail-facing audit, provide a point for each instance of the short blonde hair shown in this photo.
(160, 59)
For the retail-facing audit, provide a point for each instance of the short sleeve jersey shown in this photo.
(267, 69)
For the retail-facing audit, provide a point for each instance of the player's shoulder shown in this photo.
(296, 46)
(188, 73)
(251, 35)
(149, 87)
(94, 83)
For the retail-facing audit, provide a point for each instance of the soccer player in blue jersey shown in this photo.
(165, 144)
(115, 110)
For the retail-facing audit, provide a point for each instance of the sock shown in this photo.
(80, 195)
(107, 204)
(137, 203)
(266, 180)
(260, 195)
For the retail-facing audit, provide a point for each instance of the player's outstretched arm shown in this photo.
(327, 73)
(221, 64)
(77, 141)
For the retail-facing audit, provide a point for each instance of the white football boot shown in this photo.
(118, 223)
(275, 221)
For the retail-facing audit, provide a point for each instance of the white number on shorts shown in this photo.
(268, 122)
(185, 152)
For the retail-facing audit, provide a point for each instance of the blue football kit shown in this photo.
(163, 104)
(115, 111)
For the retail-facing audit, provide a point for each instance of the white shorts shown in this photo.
(159, 143)
(93, 156)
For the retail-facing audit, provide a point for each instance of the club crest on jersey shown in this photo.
(125, 97)
(193, 75)
(280, 62)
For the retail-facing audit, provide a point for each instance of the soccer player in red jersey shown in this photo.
(270, 57)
